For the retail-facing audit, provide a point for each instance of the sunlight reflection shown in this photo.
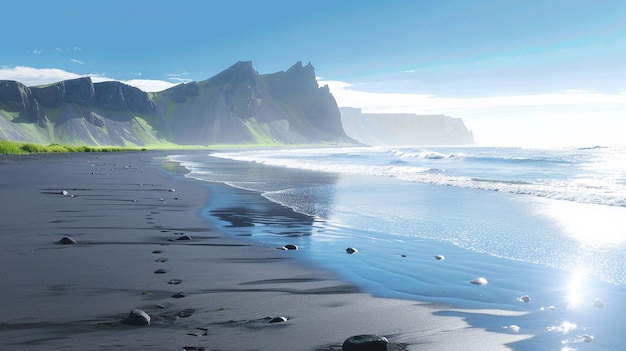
(594, 226)
(576, 289)
(564, 327)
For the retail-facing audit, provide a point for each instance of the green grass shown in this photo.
(16, 148)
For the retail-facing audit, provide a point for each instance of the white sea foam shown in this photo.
(563, 176)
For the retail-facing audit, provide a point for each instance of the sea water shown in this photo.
(546, 228)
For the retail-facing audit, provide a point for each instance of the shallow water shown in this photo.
(563, 254)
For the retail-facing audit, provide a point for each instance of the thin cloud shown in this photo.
(37, 52)
(77, 61)
(30, 76)
(178, 77)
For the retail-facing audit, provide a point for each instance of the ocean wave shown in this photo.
(557, 174)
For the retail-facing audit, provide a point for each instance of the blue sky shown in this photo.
(516, 71)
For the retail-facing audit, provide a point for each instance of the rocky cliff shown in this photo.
(380, 129)
(237, 106)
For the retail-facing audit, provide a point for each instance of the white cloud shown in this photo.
(77, 61)
(35, 76)
(30, 76)
(149, 85)
(37, 52)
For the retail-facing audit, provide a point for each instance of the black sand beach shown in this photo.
(143, 244)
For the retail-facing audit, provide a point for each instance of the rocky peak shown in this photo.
(79, 90)
(117, 96)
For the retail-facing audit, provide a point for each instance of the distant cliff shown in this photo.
(237, 106)
(379, 129)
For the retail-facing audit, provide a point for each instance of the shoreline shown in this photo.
(121, 210)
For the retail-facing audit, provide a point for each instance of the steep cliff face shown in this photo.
(380, 129)
(240, 106)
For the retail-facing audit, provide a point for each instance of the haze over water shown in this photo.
(542, 223)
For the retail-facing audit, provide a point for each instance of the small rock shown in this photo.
(597, 303)
(179, 295)
(365, 343)
(137, 317)
(291, 247)
(514, 328)
(351, 250)
(66, 240)
(525, 299)
(183, 237)
(160, 271)
(64, 193)
(278, 320)
(587, 337)
(479, 281)
(172, 191)
(440, 257)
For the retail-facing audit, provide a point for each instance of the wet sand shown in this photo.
(211, 292)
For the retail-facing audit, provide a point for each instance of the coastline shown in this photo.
(126, 220)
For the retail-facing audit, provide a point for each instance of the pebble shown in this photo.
(66, 240)
(183, 237)
(278, 320)
(587, 337)
(351, 250)
(137, 317)
(365, 342)
(479, 281)
(597, 303)
(291, 247)
(525, 299)
(440, 257)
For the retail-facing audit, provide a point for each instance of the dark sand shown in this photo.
(213, 291)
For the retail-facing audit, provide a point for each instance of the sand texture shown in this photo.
(142, 244)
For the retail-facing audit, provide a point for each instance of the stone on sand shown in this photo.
(137, 317)
(66, 240)
(479, 281)
(597, 303)
(365, 342)
(278, 320)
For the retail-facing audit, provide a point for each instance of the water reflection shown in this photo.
(594, 226)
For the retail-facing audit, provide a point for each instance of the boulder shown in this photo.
(365, 342)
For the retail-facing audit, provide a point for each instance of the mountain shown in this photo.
(237, 106)
(380, 129)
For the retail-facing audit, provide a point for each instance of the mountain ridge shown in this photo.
(236, 106)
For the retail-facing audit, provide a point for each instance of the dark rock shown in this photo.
(137, 317)
(291, 247)
(351, 250)
(66, 240)
(118, 96)
(160, 271)
(278, 320)
(179, 295)
(183, 238)
(365, 343)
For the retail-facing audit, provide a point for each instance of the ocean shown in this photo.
(544, 228)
